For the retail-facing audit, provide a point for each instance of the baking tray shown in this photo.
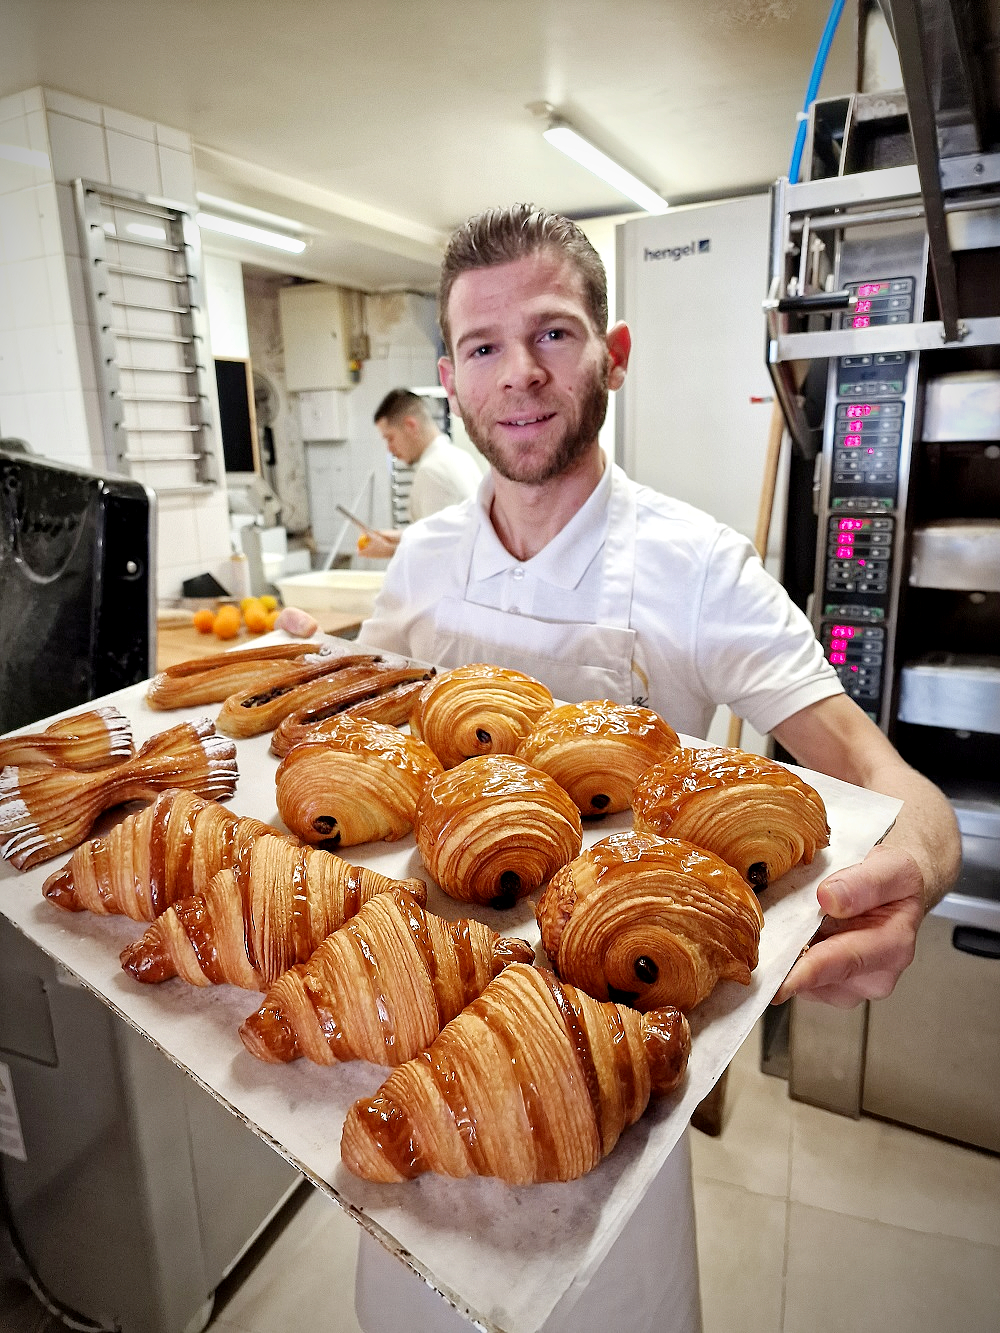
(504, 1256)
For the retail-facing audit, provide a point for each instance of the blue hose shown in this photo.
(819, 64)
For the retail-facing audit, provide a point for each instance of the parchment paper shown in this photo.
(503, 1256)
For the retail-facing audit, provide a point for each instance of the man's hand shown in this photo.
(380, 545)
(298, 623)
(868, 935)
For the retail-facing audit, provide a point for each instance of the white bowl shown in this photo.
(336, 597)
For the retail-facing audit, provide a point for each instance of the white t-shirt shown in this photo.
(712, 626)
(443, 475)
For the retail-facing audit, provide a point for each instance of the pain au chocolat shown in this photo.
(534, 1081)
(756, 814)
(493, 830)
(381, 987)
(649, 921)
(268, 912)
(476, 710)
(359, 783)
(598, 750)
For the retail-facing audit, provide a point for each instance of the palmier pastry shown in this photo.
(598, 750)
(478, 709)
(534, 1081)
(209, 680)
(84, 741)
(649, 921)
(253, 711)
(380, 988)
(494, 829)
(44, 811)
(359, 783)
(388, 698)
(169, 850)
(256, 920)
(754, 813)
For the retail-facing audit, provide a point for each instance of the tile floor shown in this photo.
(807, 1223)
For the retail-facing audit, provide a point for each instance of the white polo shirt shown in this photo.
(444, 475)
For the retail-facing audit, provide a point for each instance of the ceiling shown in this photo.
(381, 125)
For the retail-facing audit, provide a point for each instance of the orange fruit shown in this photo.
(255, 619)
(204, 620)
(364, 541)
(269, 602)
(227, 621)
(272, 616)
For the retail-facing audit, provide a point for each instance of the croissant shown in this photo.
(359, 783)
(476, 710)
(534, 1081)
(252, 711)
(493, 829)
(754, 813)
(45, 810)
(84, 741)
(598, 750)
(380, 988)
(649, 921)
(257, 919)
(383, 702)
(168, 850)
(209, 680)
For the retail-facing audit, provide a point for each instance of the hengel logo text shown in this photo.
(676, 252)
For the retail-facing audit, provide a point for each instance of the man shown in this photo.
(443, 473)
(601, 588)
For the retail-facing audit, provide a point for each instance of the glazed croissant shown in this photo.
(167, 851)
(209, 680)
(598, 750)
(384, 701)
(754, 813)
(257, 919)
(84, 741)
(476, 710)
(493, 829)
(44, 811)
(534, 1081)
(253, 711)
(649, 921)
(380, 988)
(359, 783)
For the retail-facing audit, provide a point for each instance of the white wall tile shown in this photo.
(77, 441)
(67, 219)
(34, 99)
(171, 138)
(46, 422)
(212, 522)
(129, 124)
(39, 358)
(59, 293)
(21, 227)
(177, 175)
(14, 416)
(12, 107)
(11, 381)
(24, 153)
(29, 293)
(78, 149)
(68, 105)
(38, 131)
(133, 163)
(6, 302)
(94, 427)
(66, 358)
(79, 310)
(48, 216)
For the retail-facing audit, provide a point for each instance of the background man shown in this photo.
(443, 473)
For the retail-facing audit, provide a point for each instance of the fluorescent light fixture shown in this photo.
(574, 145)
(246, 232)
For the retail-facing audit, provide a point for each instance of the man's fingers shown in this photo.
(863, 960)
(884, 876)
(298, 623)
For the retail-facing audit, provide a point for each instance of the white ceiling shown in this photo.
(383, 124)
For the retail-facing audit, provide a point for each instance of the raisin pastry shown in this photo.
(533, 1082)
(494, 829)
(598, 750)
(259, 918)
(359, 783)
(649, 921)
(380, 988)
(85, 741)
(754, 813)
(476, 710)
(209, 680)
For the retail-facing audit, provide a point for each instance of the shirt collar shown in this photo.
(565, 560)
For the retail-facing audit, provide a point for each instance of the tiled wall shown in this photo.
(48, 390)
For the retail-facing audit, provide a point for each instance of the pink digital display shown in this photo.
(871, 288)
(864, 307)
(852, 524)
(853, 427)
(860, 321)
(859, 410)
(842, 631)
(838, 659)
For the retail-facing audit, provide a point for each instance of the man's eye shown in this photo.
(482, 350)
(553, 335)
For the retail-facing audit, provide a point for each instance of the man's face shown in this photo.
(529, 374)
(399, 438)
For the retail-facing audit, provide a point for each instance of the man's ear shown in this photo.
(446, 374)
(619, 342)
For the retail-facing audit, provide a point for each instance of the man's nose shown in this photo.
(521, 367)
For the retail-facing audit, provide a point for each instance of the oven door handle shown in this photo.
(976, 940)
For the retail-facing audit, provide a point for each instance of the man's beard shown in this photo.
(568, 451)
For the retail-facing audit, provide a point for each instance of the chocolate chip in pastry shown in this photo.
(478, 709)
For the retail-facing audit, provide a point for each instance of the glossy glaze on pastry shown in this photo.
(44, 811)
(649, 921)
(753, 812)
(598, 750)
(381, 987)
(209, 680)
(533, 1082)
(256, 920)
(494, 830)
(360, 783)
(85, 741)
(387, 698)
(478, 709)
(253, 711)
(167, 851)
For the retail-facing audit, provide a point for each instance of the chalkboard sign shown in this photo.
(237, 417)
